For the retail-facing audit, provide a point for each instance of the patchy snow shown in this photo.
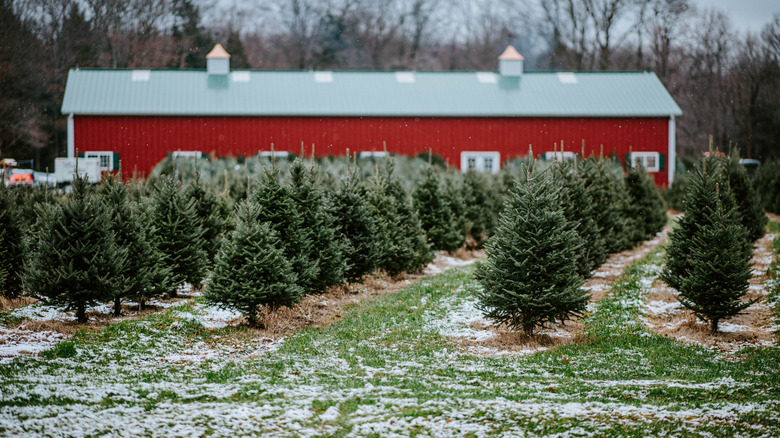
(15, 342)
(211, 316)
(663, 307)
(331, 414)
(457, 318)
(732, 328)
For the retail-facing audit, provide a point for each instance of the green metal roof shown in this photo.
(347, 93)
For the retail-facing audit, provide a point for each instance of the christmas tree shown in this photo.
(212, 214)
(646, 204)
(12, 238)
(317, 225)
(356, 227)
(74, 259)
(127, 225)
(480, 216)
(251, 270)
(178, 235)
(579, 213)
(749, 205)
(403, 245)
(608, 197)
(280, 211)
(435, 214)
(708, 256)
(530, 275)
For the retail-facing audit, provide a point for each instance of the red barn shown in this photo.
(472, 119)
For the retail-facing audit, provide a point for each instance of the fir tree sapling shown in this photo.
(356, 227)
(530, 275)
(605, 192)
(211, 214)
(317, 225)
(479, 207)
(279, 210)
(749, 205)
(251, 270)
(580, 215)
(12, 238)
(436, 217)
(178, 235)
(708, 256)
(646, 204)
(75, 260)
(127, 225)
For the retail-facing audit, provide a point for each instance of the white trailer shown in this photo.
(65, 168)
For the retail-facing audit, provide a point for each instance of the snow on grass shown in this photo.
(663, 307)
(454, 317)
(15, 342)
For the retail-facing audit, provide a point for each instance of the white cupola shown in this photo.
(510, 63)
(218, 61)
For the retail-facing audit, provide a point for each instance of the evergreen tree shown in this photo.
(646, 204)
(708, 256)
(279, 210)
(435, 214)
(580, 214)
(402, 241)
(530, 275)
(211, 214)
(12, 243)
(139, 267)
(317, 225)
(479, 206)
(608, 198)
(357, 228)
(749, 205)
(74, 259)
(767, 185)
(251, 270)
(178, 235)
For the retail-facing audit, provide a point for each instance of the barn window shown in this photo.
(651, 161)
(480, 161)
(108, 160)
(373, 154)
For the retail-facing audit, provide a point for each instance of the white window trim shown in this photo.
(281, 154)
(186, 154)
(643, 156)
(100, 155)
(480, 157)
(375, 154)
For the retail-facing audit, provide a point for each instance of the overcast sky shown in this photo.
(746, 15)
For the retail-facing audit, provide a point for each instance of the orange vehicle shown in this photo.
(20, 179)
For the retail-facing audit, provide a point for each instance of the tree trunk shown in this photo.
(117, 306)
(81, 312)
(714, 326)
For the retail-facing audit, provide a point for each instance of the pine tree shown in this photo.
(480, 211)
(211, 214)
(603, 189)
(708, 256)
(317, 224)
(279, 210)
(646, 204)
(530, 275)
(12, 240)
(356, 227)
(74, 259)
(126, 223)
(403, 244)
(580, 214)
(749, 205)
(251, 270)
(178, 235)
(435, 214)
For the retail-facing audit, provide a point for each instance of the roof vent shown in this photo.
(510, 63)
(140, 75)
(404, 77)
(218, 61)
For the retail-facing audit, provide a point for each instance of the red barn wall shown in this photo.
(143, 141)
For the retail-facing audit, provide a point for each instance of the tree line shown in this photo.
(726, 82)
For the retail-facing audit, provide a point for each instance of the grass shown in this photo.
(385, 368)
